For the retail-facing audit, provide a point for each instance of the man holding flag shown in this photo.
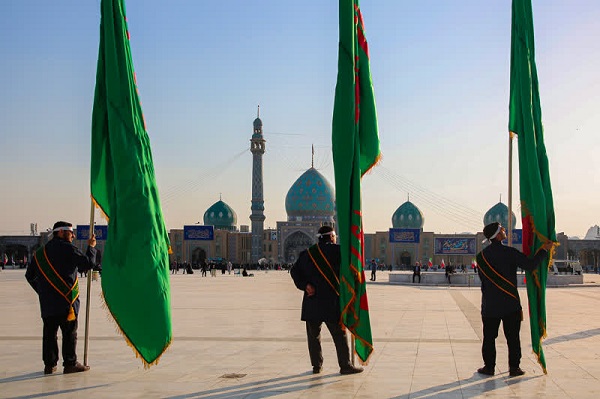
(500, 300)
(53, 276)
(317, 274)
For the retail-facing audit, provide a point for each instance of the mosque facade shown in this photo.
(310, 204)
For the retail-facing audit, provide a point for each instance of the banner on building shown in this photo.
(517, 236)
(205, 233)
(455, 246)
(412, 236)
(83, 232)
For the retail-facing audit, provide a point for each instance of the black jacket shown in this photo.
(505, 260)
(67, 260)
(325, 304)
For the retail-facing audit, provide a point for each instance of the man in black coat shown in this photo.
(52, 273)
(317, 274)
(500, 302)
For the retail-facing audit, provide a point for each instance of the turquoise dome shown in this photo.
(310, 198)
(407, 216)
(221, 216)
(499, 213)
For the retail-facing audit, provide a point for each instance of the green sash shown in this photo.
(70, 293)
(496, 278)
(324, 267)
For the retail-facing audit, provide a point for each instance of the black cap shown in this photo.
(490, 230)
(61, 224)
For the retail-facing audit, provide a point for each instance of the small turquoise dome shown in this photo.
(310, 198)
(499, 213)
(407, 216)
(221, 216)
(257, 124)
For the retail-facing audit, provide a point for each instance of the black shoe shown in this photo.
(515, 371)
(317, 370)
(49, 369)
(351, 370)
(485, 371)
(76, 368)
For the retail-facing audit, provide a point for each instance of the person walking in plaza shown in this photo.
(417, 272)
(500, 302)
(52, 273)
(316, 272)
(373, 270)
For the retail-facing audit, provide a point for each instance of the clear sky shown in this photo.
(440, 71)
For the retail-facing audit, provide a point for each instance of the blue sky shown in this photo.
(441, 77)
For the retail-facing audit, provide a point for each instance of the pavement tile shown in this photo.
(242, 338)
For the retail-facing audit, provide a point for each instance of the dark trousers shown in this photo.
(50, 340)
(417, 275)
(373, 274)
(313, 335)
(511, 324)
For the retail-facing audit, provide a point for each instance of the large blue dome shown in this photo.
(310, 198)
(407, 216)
(221, 216)
(499, 213)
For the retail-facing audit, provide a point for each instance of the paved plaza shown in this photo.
(238, 337)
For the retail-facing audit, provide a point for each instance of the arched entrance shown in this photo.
(294, 244)
(198, 256)
(405, 258)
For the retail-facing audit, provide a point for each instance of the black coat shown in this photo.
(325, 304)
(67, 259)
(505, 260)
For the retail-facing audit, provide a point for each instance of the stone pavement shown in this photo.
(240, 338)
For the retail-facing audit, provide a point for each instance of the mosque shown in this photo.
(309, 204)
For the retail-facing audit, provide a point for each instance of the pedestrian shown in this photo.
(373, 269)
(500, 302)
(316, 272)
(52, 273)
(417, 272)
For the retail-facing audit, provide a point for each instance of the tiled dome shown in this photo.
(499, 213)
(310, 198)
(221, 216)
(407, 216)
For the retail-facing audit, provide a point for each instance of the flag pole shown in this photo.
(510, 157)
(89, 294)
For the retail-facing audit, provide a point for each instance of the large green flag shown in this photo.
(355, 143)
(135, 263)
(537, 207)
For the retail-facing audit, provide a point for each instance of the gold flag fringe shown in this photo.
(129, 343)
(376, 162)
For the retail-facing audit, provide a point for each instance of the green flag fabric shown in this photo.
(537, 207)
(135, 262)
(355, 143)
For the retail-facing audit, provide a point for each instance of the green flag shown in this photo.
(355, 143)
(537, 207)
(135, 262)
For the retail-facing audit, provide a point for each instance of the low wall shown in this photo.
(472, 279)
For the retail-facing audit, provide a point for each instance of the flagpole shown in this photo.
(89, 294)
(510, 157)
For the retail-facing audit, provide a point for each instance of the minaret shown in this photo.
(257, 147)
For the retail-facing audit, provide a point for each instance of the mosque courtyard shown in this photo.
(236, 337)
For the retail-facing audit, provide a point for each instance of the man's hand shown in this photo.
(92, 241)
(310, 290)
